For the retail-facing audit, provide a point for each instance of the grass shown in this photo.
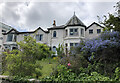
(48, 65)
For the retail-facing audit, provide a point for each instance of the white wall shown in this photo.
(95, 34)
(73, 39)
(55, 41)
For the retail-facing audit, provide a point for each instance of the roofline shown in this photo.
(10, 31)
(17, 32)
(54, 28)
(76, 25)
(92, 24)
(57, 27)
(34, 31)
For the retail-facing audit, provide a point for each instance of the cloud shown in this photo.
(29, 16)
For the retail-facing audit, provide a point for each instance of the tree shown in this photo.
(113, 21)
(23, 62)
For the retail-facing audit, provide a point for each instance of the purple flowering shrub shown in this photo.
(107, 40)
(104, 50)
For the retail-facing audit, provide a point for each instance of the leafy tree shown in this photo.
(23, 62)
(113, 21)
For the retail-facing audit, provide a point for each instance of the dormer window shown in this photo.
(9, 37)
(54, 34)
(74, 32)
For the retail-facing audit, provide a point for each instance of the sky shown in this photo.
(28, 15)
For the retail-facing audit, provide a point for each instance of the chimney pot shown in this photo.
(54, 23)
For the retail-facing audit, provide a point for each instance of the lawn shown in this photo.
(47, 66)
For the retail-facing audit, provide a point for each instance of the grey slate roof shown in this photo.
(74, 20)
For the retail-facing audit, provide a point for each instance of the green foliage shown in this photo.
(65, 74)
(113, 21)
(24, 62)
(35, 50)
(94, 76)
(61, 74)
(60, 51)
(117, 74)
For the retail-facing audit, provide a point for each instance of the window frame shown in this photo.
(9, 40)
(39, 37)
(54, 33)
(73, 31)
(98, 32)
(82, 32)
(54, 49)
(90, 31)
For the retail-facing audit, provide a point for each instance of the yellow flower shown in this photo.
(54, 58)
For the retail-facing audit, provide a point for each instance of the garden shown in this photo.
(92, 60)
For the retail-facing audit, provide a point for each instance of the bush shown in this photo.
(102, 51)
(23, 62)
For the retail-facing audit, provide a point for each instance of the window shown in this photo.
(74, 32)
(98, 30)
(54, 48)
(76, 44)
(73, 44)
(82, 32)
(39, 37)
(54, 34)
(9, 37)
(91, 31)
(66, 32)
(15, 38)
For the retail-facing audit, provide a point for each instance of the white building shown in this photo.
(3, 29)
(68, 35)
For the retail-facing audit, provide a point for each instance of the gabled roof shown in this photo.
(74, 20)
(33, 31)
(93, 24)
(15, 32)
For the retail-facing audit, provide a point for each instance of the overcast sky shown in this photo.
(26, 16)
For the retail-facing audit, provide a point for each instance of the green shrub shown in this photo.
(23, 62)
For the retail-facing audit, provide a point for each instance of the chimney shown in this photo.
(54, 23)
